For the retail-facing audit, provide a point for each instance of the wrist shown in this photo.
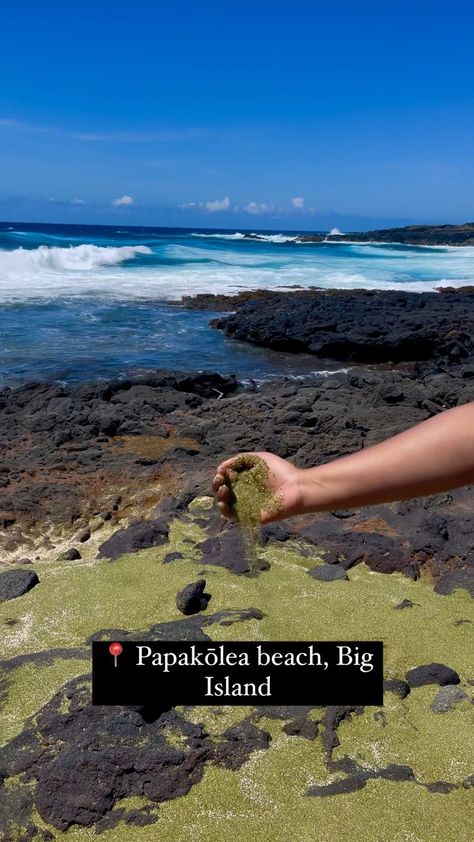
(320, 491)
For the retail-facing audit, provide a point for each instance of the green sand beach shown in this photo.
(268, 794)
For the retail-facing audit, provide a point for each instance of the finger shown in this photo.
(227, 463)
(226, 512)
(223, 494)
(217, 481)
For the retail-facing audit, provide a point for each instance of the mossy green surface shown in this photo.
(266, 797)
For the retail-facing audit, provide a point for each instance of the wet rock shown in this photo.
(432, 674)
(328, 572)
(15, 583)
(192, 598)
(72, 554)
(447, 697)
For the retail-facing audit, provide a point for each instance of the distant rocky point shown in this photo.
(410, 235)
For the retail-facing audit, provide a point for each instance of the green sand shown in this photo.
(248, 483)
(266, 796)
(248, 479)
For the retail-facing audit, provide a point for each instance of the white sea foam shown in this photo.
(264, 238)
(236, 236)
(20, 262)
(92, 270)
(274, 238)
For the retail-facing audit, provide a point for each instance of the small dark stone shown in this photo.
(70, 555)
(14, 583)
(432, 674)
(192, 598)
(405, 603)
(328, 572)
(397, 686)
(447, 697)
(172, 557)
(442, 787)
(263, 564)
(343, 513)
(83, 535)
(24, 561)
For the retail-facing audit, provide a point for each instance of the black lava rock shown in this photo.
(172, 557)
(366, 326)
(139, 536)
(328, 572)
(15, 583)
(456, 579)
(72, 554)
(192, 598)
(405, 603)
(397, 686)
(432, 674)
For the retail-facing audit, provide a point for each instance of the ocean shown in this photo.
(81, 303)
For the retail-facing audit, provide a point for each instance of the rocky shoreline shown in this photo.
(78, 457)
(410, 235)
(106, 516)
(367, 326)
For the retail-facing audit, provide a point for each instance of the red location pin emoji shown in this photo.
(115, 649)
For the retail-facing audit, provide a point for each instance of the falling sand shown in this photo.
(248, 483)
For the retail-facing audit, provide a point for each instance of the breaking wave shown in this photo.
(21, 262)
(264, 238)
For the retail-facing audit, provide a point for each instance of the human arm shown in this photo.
(434, 456)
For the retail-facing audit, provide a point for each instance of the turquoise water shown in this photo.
(84, 302)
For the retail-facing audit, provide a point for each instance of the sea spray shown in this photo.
(247, 479)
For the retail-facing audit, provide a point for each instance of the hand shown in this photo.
(284, 480)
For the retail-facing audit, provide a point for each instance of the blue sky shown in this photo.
(262, 114)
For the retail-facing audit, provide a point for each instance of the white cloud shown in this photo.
(166, 135)
(298, 202)
(218, 205)
(211, 207)
(123, 200)
(256, 207)
(66, 203)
